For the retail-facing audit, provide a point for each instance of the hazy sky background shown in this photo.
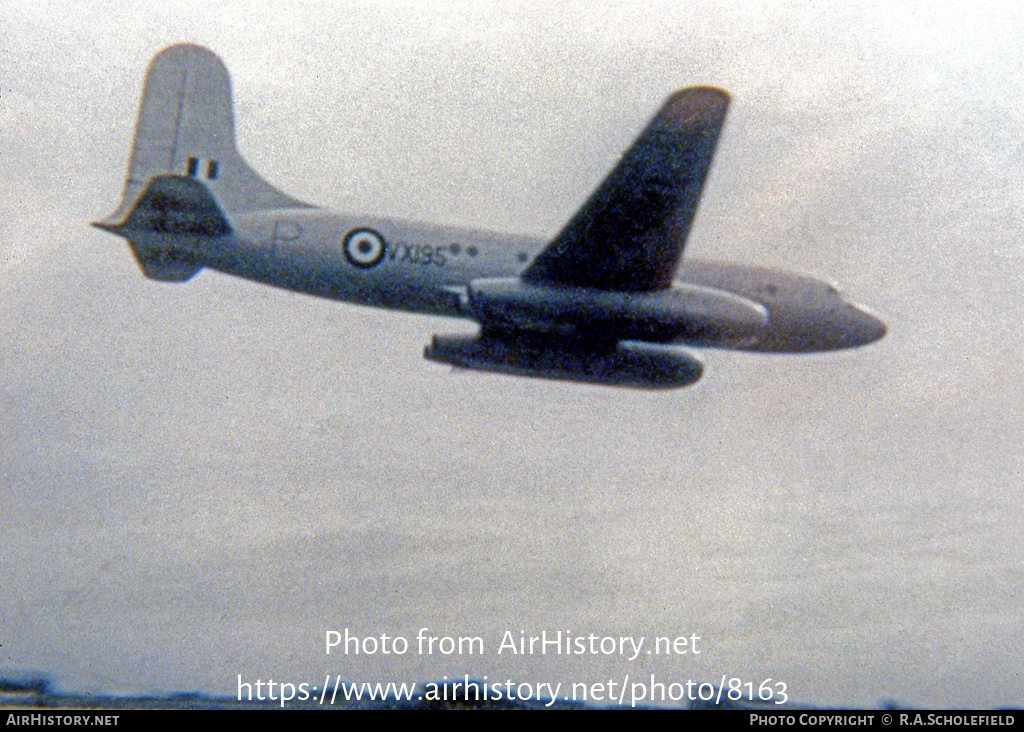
(198, 480)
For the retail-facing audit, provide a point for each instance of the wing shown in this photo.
(568, 314)
(630, 233)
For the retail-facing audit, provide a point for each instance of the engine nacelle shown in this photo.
(626, 364)
(682, 313)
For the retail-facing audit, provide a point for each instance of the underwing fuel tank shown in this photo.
(636, 365)
(682, 313)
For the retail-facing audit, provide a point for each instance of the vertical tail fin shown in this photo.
(186, 127)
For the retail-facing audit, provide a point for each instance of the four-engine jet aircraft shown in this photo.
(603, 302)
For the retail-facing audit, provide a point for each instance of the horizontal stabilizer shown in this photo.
(171, 225)
(173, 204)
(163, 265)
(527, 354)
(630, 233)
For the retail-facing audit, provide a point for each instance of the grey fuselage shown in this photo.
(425, 268)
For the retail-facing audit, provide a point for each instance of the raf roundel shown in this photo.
(364, 248)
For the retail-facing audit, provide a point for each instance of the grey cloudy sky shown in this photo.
(198, 480)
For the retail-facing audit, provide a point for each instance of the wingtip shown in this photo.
(708, 91)
(703, 98)
(697, 107)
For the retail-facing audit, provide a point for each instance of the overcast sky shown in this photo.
(199, 480)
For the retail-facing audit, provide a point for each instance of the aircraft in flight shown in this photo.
(606, 301)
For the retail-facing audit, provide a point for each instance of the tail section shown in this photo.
(186, 128)
(174, 225)
(185, 176)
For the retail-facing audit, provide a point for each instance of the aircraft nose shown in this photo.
(863, 327)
